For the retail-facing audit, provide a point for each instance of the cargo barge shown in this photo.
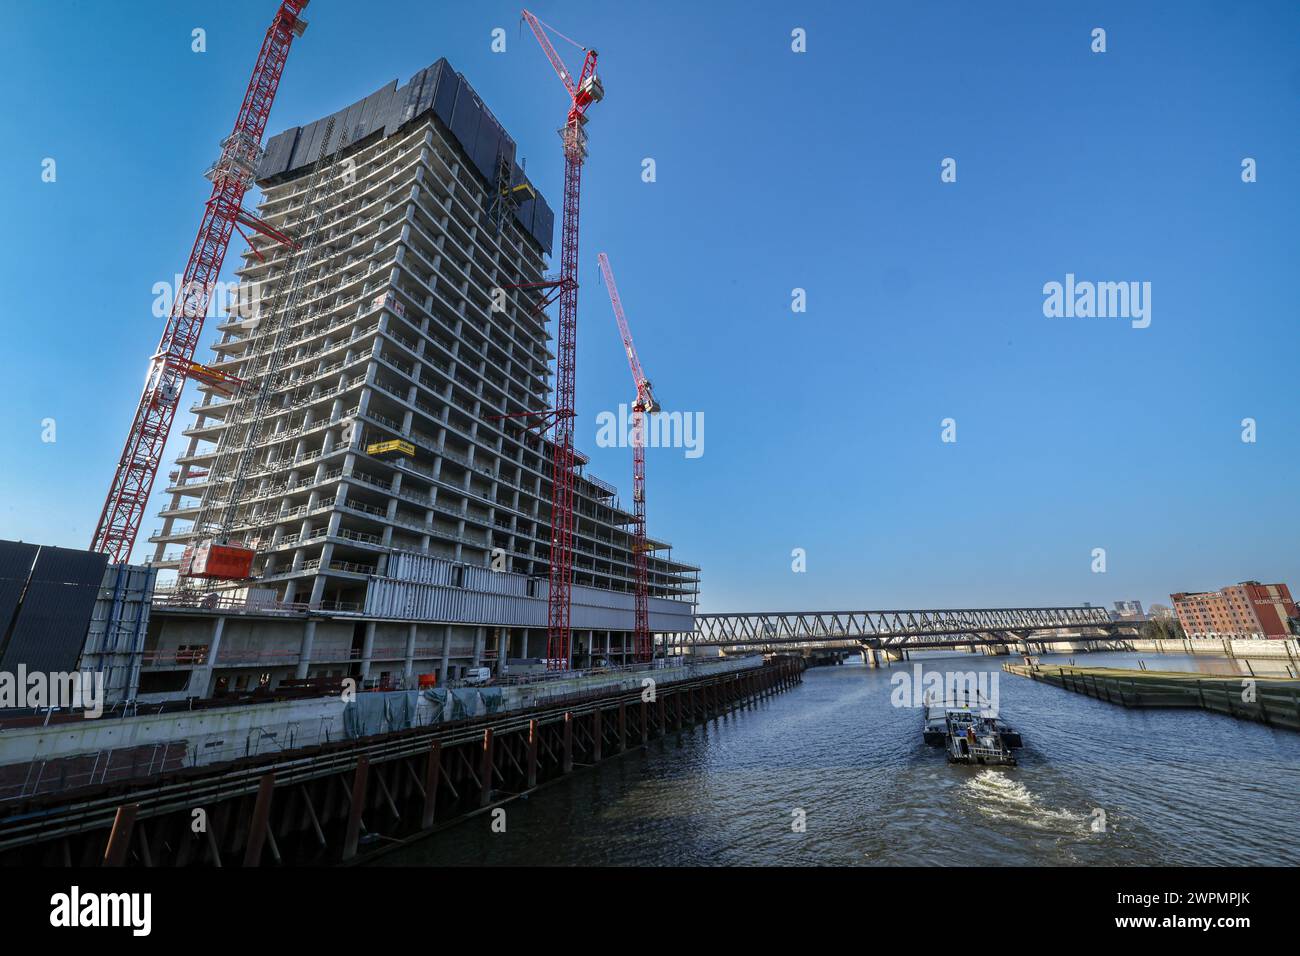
(969, 733)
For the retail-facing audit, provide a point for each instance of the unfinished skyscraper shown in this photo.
(370, 457)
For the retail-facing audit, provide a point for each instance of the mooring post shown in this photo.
(566, 763)
(260, 820)
(645, 715)
(663, 715)
(622, 726)
(119, 838)
(432, 775)
(597, 735)
(485, 770)
(531, 762)
(354, 811)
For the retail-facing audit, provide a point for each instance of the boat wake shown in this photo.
(1000, 797)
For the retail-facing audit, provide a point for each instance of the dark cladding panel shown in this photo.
(15, 567)
(525, 213)
(465, 118)
(308, 143)
(349, 125)
(432, 78)
(485, 149)
(406, 101)
(374, 112)
(438, 88)
(52, 622)
(444, 100)
(279, 151)
(543, 228)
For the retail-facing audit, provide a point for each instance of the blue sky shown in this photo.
(775, 171)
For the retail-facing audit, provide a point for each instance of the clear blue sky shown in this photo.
(775, 170)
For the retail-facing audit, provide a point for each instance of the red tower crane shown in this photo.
(173, 362)
(644, 404)
(582, 93)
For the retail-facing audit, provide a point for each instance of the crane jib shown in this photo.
(231, 175)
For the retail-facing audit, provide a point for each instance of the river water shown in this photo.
(1096, 785)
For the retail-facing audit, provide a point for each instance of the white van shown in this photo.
(475, 676)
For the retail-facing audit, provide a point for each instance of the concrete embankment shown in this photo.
(1272, 701)
(1279, 658)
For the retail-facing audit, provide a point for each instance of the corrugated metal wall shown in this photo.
(424, 588)
(118, 626)
(438, 89)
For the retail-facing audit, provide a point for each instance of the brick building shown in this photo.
(1245, 610)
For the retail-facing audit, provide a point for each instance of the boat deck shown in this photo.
(969, 733)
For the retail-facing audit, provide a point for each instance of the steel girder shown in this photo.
(888, 628)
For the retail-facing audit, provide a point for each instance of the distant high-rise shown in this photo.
(1128, 611)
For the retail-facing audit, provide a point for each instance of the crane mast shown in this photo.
(173, 362)
(644, 404)
(582, 93)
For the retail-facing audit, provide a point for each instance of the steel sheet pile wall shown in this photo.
(437, 89)
(118, 625)
(426, 588)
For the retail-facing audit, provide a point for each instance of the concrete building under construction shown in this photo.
(376, 455)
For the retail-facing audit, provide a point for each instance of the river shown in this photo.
(1096, 785)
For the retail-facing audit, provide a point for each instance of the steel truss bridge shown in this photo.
(906, 630)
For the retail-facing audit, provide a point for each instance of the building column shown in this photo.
(367, 650)
(201, 678)
(446, 655)
(480, 639)
(408, 667)
(503, 650)
(304, 652)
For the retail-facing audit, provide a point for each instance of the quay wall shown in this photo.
(81, 752)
